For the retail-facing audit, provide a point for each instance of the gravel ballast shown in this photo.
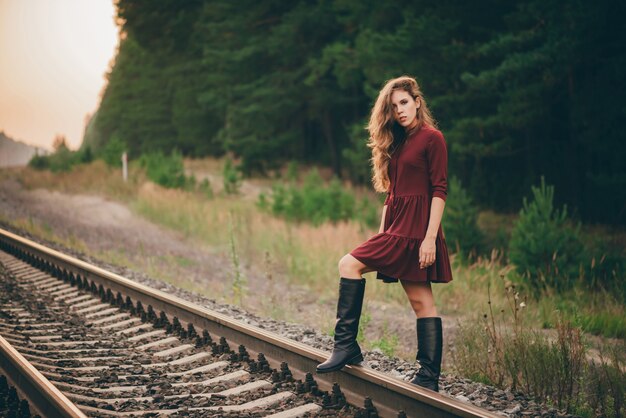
(503, 402)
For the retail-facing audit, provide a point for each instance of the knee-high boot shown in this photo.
(346, 350)
(429, 346)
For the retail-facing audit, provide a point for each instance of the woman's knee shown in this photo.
(421, 299)
(421, 304)
(347, 266)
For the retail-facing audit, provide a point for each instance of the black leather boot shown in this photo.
(429, 346)
(346, 349)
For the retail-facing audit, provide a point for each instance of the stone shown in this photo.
(514, 410)
(462, 398)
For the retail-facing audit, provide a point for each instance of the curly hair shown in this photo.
(384, 131)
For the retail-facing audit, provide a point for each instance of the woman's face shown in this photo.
(404, 108)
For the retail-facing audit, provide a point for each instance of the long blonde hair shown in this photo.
(382, 126)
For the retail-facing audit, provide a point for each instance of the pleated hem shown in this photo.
(396, 257)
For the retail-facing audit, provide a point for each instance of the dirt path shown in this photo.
(110, 231)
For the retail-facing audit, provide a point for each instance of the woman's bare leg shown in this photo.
(421, 298)
(351, 268)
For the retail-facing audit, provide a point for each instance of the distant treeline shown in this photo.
(520, 89)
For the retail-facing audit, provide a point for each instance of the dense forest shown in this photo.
(519, 89)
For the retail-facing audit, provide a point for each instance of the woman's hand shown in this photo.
(427, 252)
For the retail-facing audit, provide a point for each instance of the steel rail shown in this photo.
(43, 396)
(389, 395)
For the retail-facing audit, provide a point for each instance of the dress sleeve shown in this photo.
(437, 155)
(387, 199)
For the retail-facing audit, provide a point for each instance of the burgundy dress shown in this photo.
(417, 172)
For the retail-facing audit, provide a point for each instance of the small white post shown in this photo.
(125, 166)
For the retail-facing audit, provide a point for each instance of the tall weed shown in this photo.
(239, 281)
(607, 378)
(606, 265)
(504, 350)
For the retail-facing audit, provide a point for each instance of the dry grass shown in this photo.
(44, 231)
(94, 178)
(299, 253)
(302, 254)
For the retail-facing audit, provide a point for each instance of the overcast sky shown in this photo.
(53, 58)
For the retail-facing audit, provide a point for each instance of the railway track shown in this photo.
(78, 340)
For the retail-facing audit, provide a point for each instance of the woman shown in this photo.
(409, 159)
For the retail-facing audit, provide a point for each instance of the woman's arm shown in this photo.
(382, 220)
(428, 248)
(437, 155)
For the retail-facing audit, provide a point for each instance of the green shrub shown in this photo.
(167, 171)
(545, 247)
(39, 162)
(112, 152)
(459, 222)
(340, 204)
(262, 202)
(315, 197)
(278, 197)
(232, 178)
(367, 213)
(61, 160)
(314, 201)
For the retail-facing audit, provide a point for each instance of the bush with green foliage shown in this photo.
(39, 162)
(113, 150)
(317, 202)
(167, 171)
(459, 221)
(368, 212)
(232, 177)
(545, 246)
(63, 159)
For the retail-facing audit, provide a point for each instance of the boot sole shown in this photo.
(354, 360)
(426, 385)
